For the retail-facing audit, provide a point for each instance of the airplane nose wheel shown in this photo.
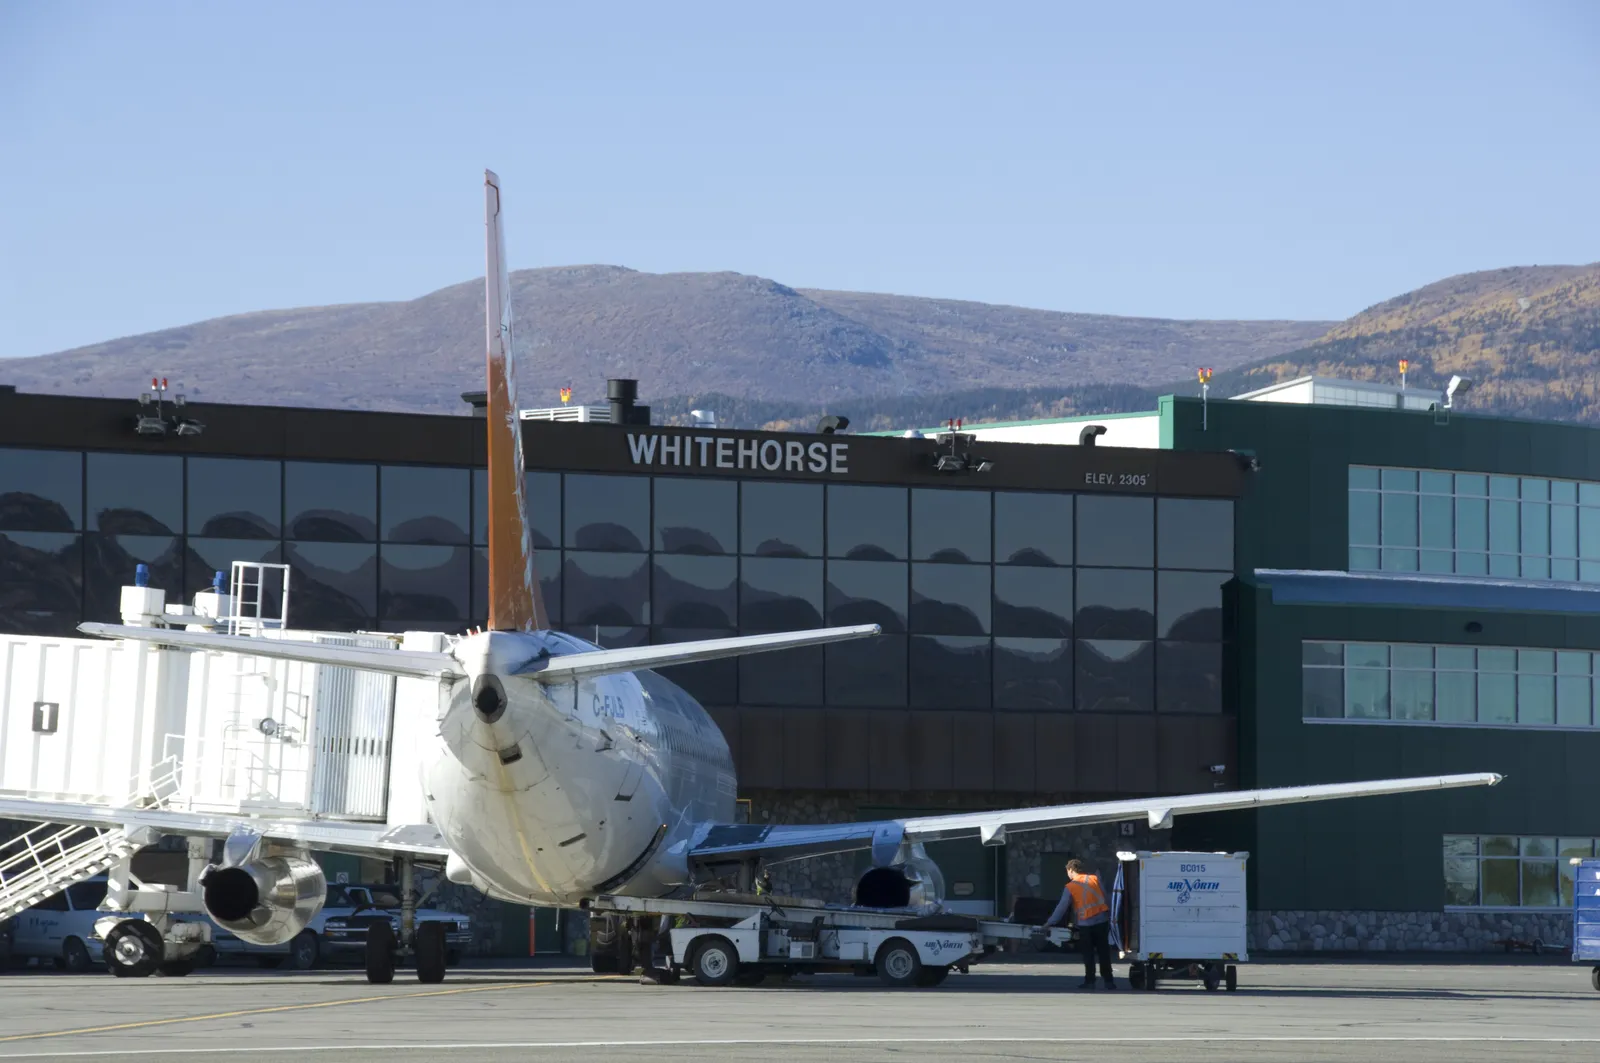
(134, 949)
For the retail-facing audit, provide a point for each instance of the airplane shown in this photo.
(556, 771)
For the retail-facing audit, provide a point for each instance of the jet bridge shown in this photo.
(221, 732)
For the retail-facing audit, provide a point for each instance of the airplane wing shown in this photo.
(392, 662)
(574, 666)
(883, 837)
(376, 839)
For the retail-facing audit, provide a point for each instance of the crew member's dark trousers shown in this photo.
(1096, 941)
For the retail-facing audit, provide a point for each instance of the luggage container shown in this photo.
(1586, 916)
(1180, 917)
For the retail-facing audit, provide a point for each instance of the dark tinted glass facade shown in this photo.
(989, 600)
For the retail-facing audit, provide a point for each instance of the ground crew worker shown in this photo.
(1092, 915)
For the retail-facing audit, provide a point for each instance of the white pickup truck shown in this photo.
(340, 929)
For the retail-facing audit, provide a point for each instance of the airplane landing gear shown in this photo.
(380, 953)
(134, 949)
(424, 945)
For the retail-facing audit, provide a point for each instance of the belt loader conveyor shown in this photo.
(744, 941)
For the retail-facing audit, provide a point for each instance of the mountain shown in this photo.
(1528, 338)
(764, 351)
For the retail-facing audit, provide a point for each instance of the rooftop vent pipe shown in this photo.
(621, 393)
(1087, 437)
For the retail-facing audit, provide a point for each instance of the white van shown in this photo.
(60, 928)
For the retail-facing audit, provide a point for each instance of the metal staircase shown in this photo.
(49, 858)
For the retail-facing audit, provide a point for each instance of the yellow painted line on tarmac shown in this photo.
(270, 1011)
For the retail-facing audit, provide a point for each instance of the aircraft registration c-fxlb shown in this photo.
(556, 771)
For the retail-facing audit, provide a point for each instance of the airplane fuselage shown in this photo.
(553, 793)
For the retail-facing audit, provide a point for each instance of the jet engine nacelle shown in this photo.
(913, 882)
(264, 894)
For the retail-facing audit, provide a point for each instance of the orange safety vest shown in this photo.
(1088, 899)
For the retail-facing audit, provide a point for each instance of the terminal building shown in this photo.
(1289, 589)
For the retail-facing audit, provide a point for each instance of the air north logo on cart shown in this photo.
(1187, 888)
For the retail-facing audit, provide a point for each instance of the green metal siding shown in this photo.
(1376, 853)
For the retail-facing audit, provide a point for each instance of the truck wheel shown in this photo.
(1594, 977)
(929, 977)
(74, 956)
(134, 949)
(898, 963)
(1212, 979)
(1136, 976)
(430, 952)
(380, 953)
(1231, 978)
(603, 944)
(716, 962)
(304, 950)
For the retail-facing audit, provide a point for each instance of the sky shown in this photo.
(163, 163)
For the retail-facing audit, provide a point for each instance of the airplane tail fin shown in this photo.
(515, 599)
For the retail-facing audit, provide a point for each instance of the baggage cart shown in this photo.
(1180, 917)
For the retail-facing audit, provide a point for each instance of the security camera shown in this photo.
(1218, 769)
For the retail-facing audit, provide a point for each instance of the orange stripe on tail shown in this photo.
(515, 600)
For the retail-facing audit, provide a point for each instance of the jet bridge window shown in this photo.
(41, 490)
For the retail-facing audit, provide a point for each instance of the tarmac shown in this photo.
(1421, 1010)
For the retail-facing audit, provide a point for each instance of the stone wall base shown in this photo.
(1297, 932)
